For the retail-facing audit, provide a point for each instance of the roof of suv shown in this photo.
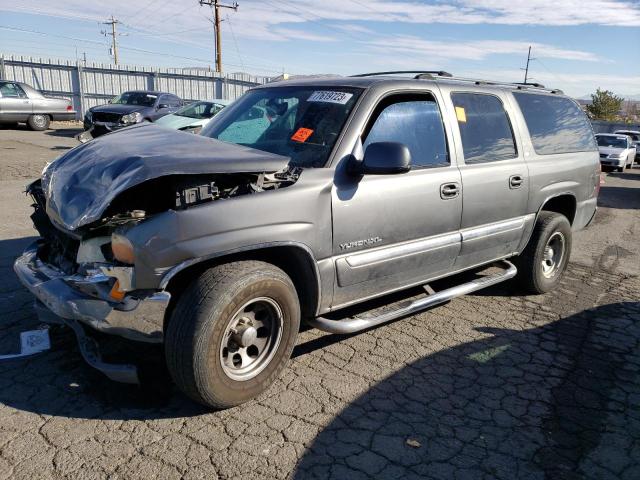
(397, 78)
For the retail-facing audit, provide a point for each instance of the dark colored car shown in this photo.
(130, 108)
(20, 102)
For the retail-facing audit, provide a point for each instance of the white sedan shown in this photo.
(616, 151)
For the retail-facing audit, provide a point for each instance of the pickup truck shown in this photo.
(217, 245)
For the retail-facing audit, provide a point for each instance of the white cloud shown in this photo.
(471, 50)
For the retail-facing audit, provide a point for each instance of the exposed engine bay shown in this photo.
(67, 250)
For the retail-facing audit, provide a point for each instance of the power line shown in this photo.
(134, 49)
(215, 6)
(233, 35)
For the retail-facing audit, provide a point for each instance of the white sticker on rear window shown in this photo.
(330, 97)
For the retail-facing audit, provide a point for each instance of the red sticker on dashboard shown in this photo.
(302, 135)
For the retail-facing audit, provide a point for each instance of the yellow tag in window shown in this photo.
(461, 114)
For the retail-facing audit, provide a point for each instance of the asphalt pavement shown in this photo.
(492, 385)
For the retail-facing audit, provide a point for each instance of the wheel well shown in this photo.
(294, 261)
(562, 204)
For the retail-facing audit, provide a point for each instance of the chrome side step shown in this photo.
(352, 325)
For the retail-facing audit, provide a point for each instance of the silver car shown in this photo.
(218, 245)
(20, 102)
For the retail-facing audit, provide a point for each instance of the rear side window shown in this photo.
(484, 127)
(415, 122)
(556, 124)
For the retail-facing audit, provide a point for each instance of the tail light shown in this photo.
(69, 108)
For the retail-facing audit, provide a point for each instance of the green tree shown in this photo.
(604, 105)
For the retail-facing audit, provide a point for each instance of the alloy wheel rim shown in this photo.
(251, 339)
(553, 255)
(39, 120)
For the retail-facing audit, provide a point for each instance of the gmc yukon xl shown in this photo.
(337, 191)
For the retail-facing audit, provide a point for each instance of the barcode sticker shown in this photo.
(330, 97)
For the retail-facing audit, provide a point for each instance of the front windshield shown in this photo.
(136, 98)
(634, 136)
(199, 110)
(302, 123)
(615, 142)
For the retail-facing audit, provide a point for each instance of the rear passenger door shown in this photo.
(495, 179)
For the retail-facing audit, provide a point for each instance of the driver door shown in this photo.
(392, 231)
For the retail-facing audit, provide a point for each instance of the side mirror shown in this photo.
(383, 158)
(162, 105)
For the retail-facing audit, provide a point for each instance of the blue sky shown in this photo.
(577, 45)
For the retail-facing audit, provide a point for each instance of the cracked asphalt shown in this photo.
(491, 385)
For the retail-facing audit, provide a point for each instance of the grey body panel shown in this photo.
(398, 229)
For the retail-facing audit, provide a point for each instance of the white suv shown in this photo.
(616, 151)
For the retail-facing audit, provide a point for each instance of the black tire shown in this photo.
(620, 169)
(196, 331)
(530, 262)
(38, 122)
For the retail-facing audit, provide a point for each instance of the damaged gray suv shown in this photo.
(298, 200)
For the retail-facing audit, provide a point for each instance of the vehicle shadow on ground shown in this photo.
(541, 403)
(619, 197)
(64, 132)
(59, 382)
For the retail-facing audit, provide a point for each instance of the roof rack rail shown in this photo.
(434, 74)
(530, 84)
(418, 73)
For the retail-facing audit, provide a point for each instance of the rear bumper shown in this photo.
(63, 117)
(140, 316)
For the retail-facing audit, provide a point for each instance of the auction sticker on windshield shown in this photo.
(330, 97)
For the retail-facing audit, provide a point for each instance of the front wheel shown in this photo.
(232, 332)
(544, 260)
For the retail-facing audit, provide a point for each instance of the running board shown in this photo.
(352, 325)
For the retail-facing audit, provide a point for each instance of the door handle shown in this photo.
(515, 181)
(449, 190)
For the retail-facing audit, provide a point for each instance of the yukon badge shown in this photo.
(360, 243)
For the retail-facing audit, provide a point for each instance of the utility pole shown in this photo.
(114, 43)
(526, 70)
(216, 6)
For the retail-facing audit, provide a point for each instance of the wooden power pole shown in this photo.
(114, 43)
(216, 6)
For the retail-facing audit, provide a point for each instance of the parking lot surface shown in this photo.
(491, 385)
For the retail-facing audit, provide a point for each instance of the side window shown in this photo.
(174, 101)
(415, 122)
(484, 127)
(11, 90)
(556, 124)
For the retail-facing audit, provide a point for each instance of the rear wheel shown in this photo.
(544, 260)
(232, 332)
(38, 122)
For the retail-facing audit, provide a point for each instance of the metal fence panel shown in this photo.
(93, 84)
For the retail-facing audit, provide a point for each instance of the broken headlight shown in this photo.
(135, 117)
(122, 249)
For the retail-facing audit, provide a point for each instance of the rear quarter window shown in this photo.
(556, 124)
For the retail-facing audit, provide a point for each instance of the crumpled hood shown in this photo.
(81, 184)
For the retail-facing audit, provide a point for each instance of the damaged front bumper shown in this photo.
(138, 317)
